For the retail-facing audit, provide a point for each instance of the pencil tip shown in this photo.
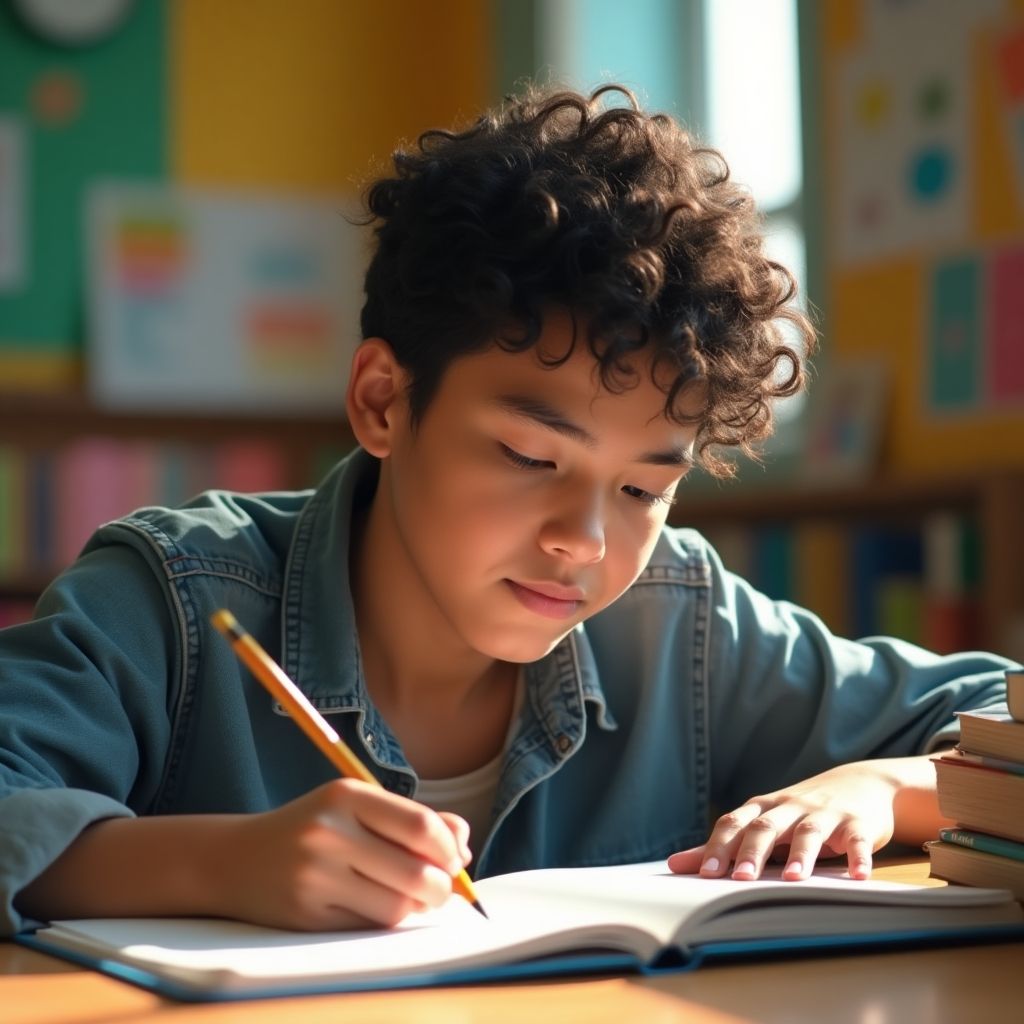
(476, 904)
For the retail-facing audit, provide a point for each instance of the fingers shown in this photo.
(859, 849)
(348, 854)
(460, 830)
(742, 842)
(809, 836)
(745, 836)
(402, 822)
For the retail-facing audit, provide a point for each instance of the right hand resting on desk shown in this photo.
(344, 855)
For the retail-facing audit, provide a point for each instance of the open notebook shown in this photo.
(632, 918)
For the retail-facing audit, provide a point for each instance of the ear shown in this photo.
(375, 400)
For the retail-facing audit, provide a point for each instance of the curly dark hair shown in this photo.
(561, 200)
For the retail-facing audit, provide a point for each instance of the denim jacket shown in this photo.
(689, 694)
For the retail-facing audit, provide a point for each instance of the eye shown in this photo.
(648, 498)
(523, 461)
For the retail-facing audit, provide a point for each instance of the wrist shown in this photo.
(211, 870)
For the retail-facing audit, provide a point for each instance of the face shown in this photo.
(528, 498)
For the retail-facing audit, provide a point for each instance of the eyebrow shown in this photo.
(538, 411)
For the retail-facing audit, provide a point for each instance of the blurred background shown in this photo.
(180, 288)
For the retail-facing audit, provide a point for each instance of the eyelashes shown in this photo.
(647, 498)
(523, 461)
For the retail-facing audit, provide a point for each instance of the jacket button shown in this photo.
(564, 743)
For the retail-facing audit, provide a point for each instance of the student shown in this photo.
(568, 308)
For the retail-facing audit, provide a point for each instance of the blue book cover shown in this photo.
(983, 841)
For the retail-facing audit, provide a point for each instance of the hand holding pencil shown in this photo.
(312, 723)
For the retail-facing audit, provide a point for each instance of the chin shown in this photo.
(520, 649)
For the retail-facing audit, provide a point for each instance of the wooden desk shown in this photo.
(970, 983)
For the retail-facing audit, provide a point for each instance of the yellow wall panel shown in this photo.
(876, 312)
(307, 95)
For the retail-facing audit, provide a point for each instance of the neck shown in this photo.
(448, 705)
(411, 653)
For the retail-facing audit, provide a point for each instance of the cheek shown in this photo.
(631, 548)
(462, 518)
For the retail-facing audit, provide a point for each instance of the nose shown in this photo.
(575, 528)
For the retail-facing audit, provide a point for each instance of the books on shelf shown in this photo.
(914, 580)
(546, 922)
(51, 500)
(952, 558)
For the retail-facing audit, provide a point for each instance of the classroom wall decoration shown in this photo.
(260, 102)
(905, 160)
(198, 298)
(71, 113)
(923, 104)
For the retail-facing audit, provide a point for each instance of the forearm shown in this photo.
(130, 867)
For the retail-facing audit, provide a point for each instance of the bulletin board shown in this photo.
(67, 115)
(295, 102)
(924, 186)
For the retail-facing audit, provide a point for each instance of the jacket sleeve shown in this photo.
(84, 725)
(790, 699)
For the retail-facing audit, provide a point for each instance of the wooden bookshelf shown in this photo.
(45, 420)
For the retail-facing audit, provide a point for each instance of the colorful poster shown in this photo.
(1006, 316)
(221, 302)
(904, 167)
(13, 204)
(955, 336)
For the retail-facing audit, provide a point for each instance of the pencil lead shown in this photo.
(476, 904)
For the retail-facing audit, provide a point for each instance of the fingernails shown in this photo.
(745, 868)
(709, 866)
(795, 869)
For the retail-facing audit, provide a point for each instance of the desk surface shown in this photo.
(971, 983)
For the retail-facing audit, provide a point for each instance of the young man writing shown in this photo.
(568, 308)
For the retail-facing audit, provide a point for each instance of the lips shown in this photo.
(552, 600)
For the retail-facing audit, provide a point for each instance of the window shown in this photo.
(752, 114)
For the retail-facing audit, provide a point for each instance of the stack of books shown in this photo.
(981, 787)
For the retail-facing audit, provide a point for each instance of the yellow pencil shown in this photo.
(312, 723)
